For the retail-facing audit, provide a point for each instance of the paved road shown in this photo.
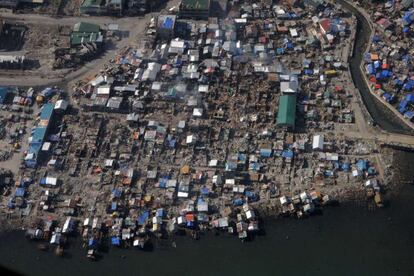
(135, 25)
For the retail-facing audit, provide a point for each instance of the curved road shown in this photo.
(385, 118)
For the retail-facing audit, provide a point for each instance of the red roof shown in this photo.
(189, 217)
(325, 25)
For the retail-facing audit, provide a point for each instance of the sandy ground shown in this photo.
(135, 26)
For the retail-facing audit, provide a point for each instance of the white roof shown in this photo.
(289, 87)
(283, 200)
(181, 220)
(51, 181)
(198, 112)
(213, 163)
(46, 146)
(223, 222)
(151, 72)
(61, 104)
(109, 162)
(250, 214)
(332, 156)
(293, 32)
(171, 183)
(181, 124)
(202, 206)
(189, 139)
(317, 142)
(177, 43)
(182, 194)
(103, 90)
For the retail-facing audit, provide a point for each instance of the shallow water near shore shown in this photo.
(344, 240)
(350, 239)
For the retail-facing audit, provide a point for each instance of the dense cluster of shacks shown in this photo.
(389, 62)
(207, 126)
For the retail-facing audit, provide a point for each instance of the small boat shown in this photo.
(34, 234)
(141, 242)
(42, 247)
(59, 251)
(91, 255)
(195, 235)
(378, 200)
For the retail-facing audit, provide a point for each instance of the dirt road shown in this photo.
(135, 26)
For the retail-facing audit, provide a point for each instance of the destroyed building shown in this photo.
(86, 42)
(9, 4)
(166, 26)
(195, 9)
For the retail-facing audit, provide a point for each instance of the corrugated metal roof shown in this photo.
(47, 111)
(287, 110)
(84, 27)
(196, 4)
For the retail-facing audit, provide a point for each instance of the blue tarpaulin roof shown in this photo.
(328, 173)
(346, 166)
(160, 212)
(163, 182)
(362, 165)
(204, 190)
(48, 91)
(403, 106)
(371, 70)
(254, 166)
(408, 17)
(398, 82)
(116, 192)
(91, 242)
(113, 206)
(4, 91)
(143, 218)
(47, 111)
(172, 143)
(238, 202)
(20, 192)
(265, 152)
(287, 154)
(376, 38)
(386, 74)
(388, 97)
(168, 23)
(371, 171)
(409, 114)
(231, 166)
(410, 98)
(38, 135)
(115, 241)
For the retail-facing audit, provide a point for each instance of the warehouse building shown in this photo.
(286, 115)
